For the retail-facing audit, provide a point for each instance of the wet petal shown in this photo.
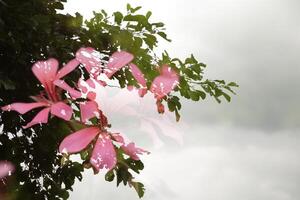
(85, 86)
(118, 60)
(118, 138)
(62, 84)
(78, 141)
(62, 110)
(23, 108)
(138, 75)
(131, 150)
(104, 154)
(68, 68)
(6, 168)
(88, 110)
(89, 57)
(45, 71)
(165, 82)
(41, 117)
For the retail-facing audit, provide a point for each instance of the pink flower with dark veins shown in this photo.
(104, 153)
(47, 73)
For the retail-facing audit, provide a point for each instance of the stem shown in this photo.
(71, 127)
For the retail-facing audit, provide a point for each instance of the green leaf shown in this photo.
(148, 15)
(84, 154)
(227, 97)
(158, 25)
(164, 36)
(171, 106)
(139, 188)
(202, 94)
(195, 96)
(118, 17)
(133, 10)
(109, 176)
(150, 40)
(135, 165)
(233, 84)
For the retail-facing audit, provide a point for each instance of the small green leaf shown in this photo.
(109, 176)
(148, 15)
(158, 25)
(118, 17)
(139, 188)
(233, 84)
(164, 35)
(226, 96)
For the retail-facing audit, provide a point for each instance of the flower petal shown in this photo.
(6, 168)
(131, 150)
(137, 74)
(118, 60)
(85, 86)
(68, 68)
(23, 108)
(89, 57)
(41, 117)
(45, 71)
(104, 154)
(118, 138)
(62, 84)
(88, 110)
(164, 83)
(79, 140)
(62, 110)
(139, 77)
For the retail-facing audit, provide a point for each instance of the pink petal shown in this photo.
(89, 57)
(142, 92)
(160, 106)
(79, 140)
(138, 75)
(132, 151)
(45, 71)
(118, 60)
(68, 68)
(23, 108)
(41, 117)
(6, 168)
(118, 138)
(88, 110)
(62, 84)
(62, 110)
(104, 154)
(165, 82)
(82, 85)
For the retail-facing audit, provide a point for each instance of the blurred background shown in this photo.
(247, 149)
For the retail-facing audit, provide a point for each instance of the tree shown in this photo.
(32, 30)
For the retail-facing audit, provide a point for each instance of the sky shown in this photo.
(243, 150)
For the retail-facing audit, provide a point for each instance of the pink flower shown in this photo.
(165, 82)
(91, 60)
(46, 72)
(104, 153)
(6, 168)
(89, 108)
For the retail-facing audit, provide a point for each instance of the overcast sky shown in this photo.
(247, 149)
